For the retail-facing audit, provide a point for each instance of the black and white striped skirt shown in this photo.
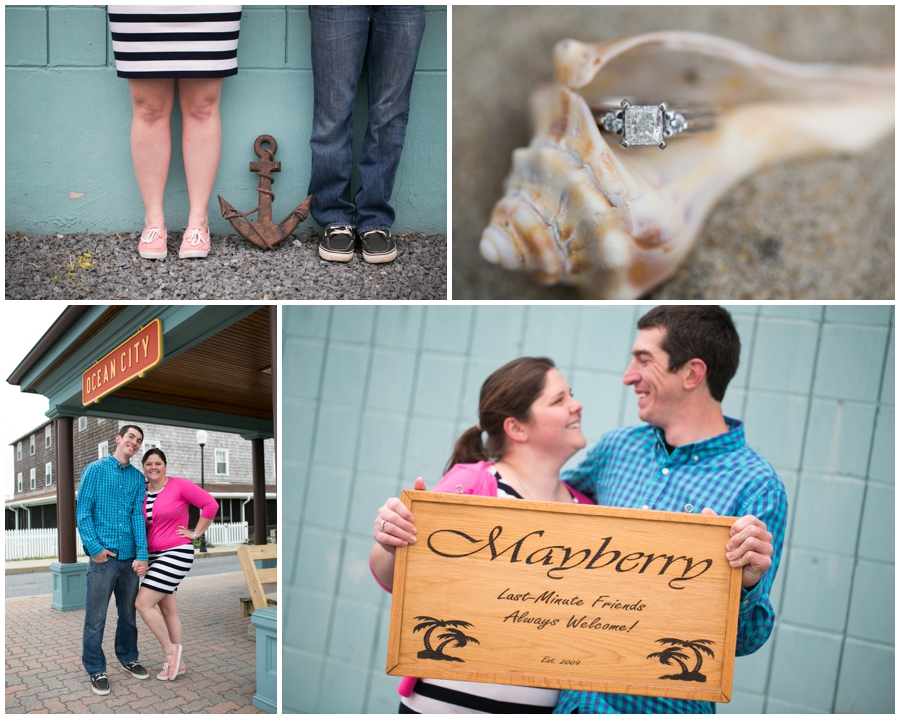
(153, 41)
(168, 567)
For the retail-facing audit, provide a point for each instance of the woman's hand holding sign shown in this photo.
(393, 528)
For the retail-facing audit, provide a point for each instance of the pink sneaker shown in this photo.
(169, 672)
(153, 243)
(195, 243)
(166, 674)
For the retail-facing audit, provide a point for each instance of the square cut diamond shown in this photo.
(643, 125)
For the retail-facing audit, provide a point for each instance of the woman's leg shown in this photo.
(151, 142)
(201, 142)
(146, 602)
(168, 605)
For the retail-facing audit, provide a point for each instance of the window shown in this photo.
(33, 478)
(48, 439)
(222, 461)
(48, 474)
(149, 444)
(102, 450)
(20, 482)
(18, 450)
(100, 420)
(82, 424)
(31, 445)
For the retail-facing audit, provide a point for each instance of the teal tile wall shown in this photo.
(375, 396)
(60, 61)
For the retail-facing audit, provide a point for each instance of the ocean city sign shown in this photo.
(565, 596)
(130, 360)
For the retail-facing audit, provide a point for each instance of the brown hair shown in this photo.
(508, 392)
(703, 332)
(152, 451)
(124, 429)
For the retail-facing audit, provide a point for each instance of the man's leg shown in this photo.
(339, 37)
(127, 586)
(393, 49)
(99, 585)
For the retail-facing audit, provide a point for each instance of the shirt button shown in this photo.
(646, 506)
(696, 458)
(665, 470)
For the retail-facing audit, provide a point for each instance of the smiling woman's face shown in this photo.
(154, 467)
(555, 424)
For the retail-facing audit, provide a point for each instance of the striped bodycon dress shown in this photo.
(159, 41)
(167, 568)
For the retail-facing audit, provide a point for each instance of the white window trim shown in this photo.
(149, 444)
(48, 474)
(48, 436)
(216, 462)
(18, 450)
(31, 444)
(20, 482)
(82, 423)
(33, 478)
(102, 450)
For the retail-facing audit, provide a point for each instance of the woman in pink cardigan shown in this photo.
(171, 547)
(533, 427)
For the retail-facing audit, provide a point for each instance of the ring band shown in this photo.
(383, 522)
(650, 124)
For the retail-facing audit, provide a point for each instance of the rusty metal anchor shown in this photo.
(264, 233)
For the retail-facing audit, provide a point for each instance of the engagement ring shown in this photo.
(650, 124)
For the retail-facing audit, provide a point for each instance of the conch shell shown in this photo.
(579, 209)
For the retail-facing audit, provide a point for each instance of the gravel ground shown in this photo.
(107, 266)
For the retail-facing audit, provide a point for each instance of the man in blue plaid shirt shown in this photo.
(112, 529)
(689, 457)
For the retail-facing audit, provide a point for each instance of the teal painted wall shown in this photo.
(68, 119)
(375, 396)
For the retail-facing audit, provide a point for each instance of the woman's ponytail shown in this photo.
(469, 449)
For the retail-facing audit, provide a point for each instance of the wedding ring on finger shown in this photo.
(383, 522)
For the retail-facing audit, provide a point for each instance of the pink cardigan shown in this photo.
(171, 510)
(478, 480)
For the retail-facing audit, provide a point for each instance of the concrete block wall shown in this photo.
(68, 120)
(375, 396)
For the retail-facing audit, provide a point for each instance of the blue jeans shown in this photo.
(342, 36)
(104, 579)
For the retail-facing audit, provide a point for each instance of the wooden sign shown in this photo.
(130, 360)
(565, 596)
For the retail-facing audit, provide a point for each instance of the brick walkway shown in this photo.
(43, 658)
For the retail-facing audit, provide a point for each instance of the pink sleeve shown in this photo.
(405, 688)
(199, 498)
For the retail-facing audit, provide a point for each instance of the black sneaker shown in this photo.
(136, 670)
(338, 243)
(378, 246)
(100, 684)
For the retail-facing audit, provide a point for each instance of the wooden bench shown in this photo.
(249, 554)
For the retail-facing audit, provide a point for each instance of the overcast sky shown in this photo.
(23, 323)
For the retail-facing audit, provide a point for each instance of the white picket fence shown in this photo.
(36, 543)
(227, 533)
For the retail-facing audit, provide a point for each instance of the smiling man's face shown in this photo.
(658, 390)
(129, 443)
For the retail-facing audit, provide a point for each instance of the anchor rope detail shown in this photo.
(264, 233)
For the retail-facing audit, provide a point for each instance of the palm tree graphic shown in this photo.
(452, 636)
(674, 653)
